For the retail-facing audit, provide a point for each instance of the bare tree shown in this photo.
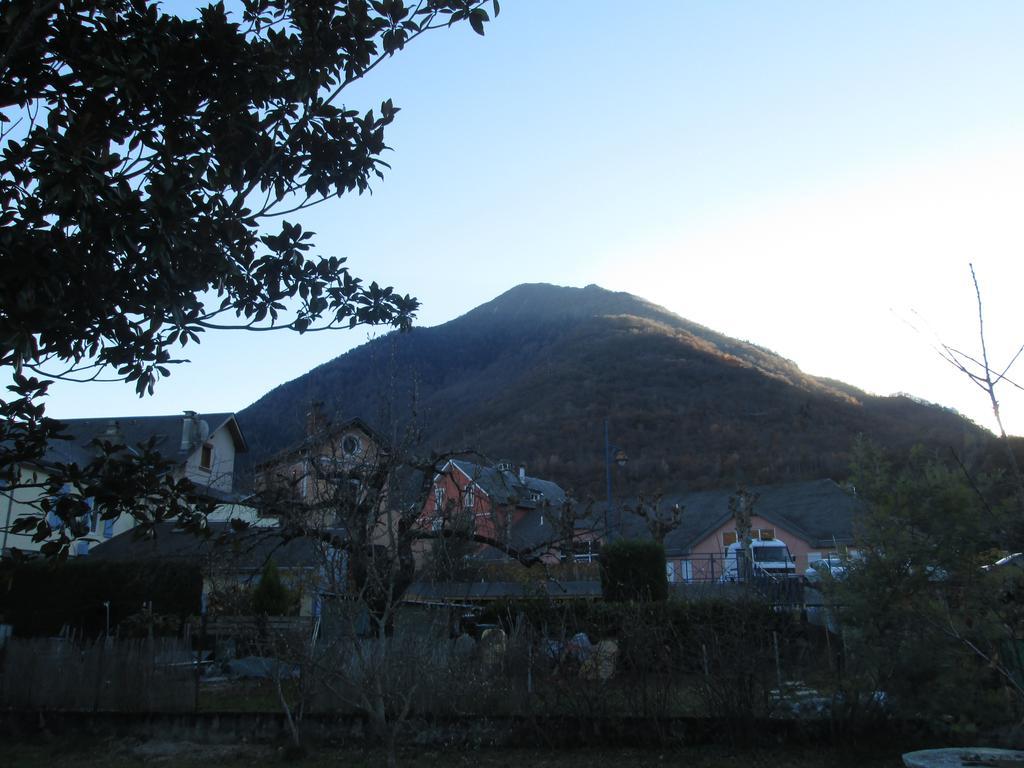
(660, 521)
(979, 370)
(367, 513)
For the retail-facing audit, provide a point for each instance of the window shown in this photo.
(764, 534)
(206, 457)
(439, 498)
(468, 497)
(94, 518)
(350, 445)
(771, 554)
(672, 571)
(54, 520)
(588, 551)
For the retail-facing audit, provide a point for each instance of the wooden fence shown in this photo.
(156, 675)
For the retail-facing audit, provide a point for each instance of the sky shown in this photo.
(814, 177)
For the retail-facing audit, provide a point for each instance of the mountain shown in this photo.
(532, 375)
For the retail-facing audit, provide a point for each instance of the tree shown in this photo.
(271, 597)
(741, 506)
(148, 164)
(925, 618)
(980, 370)
(363, 513)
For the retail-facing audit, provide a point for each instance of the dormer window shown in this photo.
(206, 457)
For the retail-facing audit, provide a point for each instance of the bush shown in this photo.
(633, 570)
(271, 597)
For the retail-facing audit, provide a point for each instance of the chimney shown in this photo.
(522, 474)
(188, 431)
(314, 418)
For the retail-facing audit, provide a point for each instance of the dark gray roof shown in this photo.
(503, 486)
(457, 591)
(243, 550)
(134, 431)
(534, 533)
(819, 511)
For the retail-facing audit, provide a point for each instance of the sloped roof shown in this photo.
(818, 511)
(504, 486)
(134, 431)
(533, 533)
(246, 550)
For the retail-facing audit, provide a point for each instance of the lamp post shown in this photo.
(616, 454)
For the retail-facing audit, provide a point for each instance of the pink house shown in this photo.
(814, 518)
(500, 502)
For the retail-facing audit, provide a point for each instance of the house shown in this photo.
(499, 502)
(333, 458)
(814, 518)
(201, 448)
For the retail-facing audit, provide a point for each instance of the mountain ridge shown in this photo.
(533, 373)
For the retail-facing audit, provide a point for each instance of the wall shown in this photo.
(21, 502)
(220, 476)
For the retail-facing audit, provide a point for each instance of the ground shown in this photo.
(126, 753)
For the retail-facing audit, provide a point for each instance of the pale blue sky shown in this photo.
(807, 176)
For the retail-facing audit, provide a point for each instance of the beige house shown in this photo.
(202, 448)
(334, 462)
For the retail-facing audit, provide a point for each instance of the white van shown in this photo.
(768, 558)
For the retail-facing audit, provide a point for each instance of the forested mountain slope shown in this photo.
(532, 375)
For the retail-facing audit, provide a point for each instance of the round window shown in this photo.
(350, 445)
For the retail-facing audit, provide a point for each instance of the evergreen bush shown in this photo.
(271, 597)
(633, 571)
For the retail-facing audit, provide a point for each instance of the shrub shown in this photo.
(633, 570)
(271, 597)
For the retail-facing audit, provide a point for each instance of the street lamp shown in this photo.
(618, 455)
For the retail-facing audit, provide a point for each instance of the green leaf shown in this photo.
(477, 17)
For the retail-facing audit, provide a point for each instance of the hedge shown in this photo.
(633, 570)
(43, 597)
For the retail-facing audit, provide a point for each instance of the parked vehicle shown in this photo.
(830, 565)
(767, 558)
(1017, 559)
